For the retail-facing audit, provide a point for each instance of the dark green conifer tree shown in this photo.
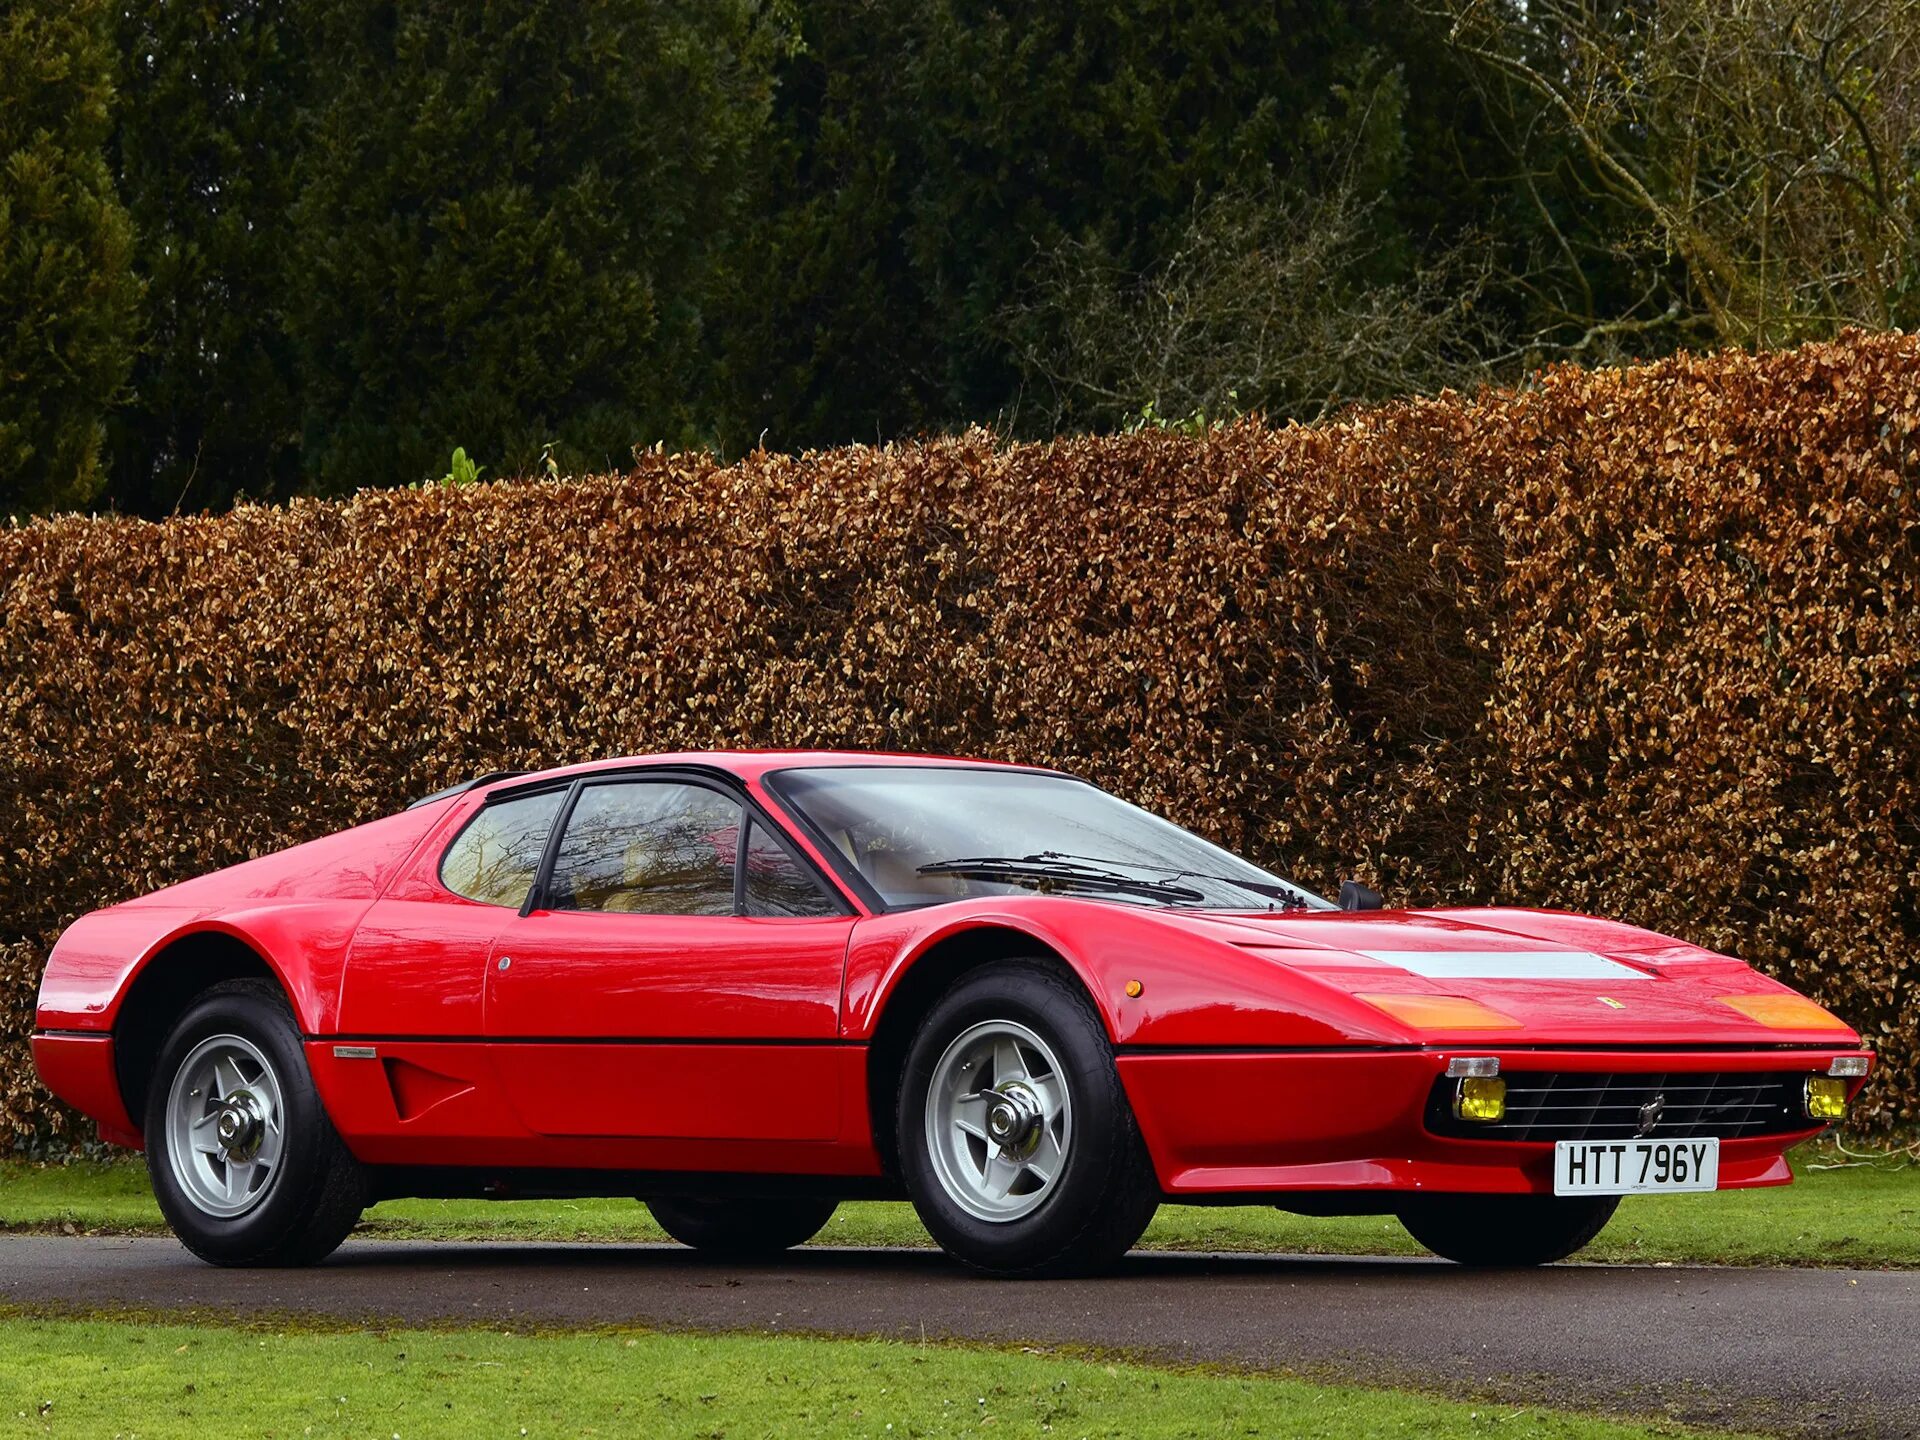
(505, 215)
(209, 159)
(67, 291)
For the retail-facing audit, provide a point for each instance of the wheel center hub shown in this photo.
(239, 1125)
(1013, 1117)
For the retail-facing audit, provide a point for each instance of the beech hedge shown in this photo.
(1641, 642)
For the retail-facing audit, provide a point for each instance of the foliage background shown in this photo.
(1638, 641)
(262, 248)
(67, 288)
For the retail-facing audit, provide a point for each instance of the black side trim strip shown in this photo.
(758, 1041)
(514, 1183)
(1456, 1047)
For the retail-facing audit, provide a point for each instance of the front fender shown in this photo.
(1195, 991)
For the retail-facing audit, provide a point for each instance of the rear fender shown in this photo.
(100, 956)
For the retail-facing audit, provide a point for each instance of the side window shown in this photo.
(648, 847)
(777, 883)
(495, 858)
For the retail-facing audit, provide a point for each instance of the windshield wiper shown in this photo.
(1295, 899)
(1041, 873)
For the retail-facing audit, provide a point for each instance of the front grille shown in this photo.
(1566, 1105)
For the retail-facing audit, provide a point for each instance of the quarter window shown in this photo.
(496, 857)
(777, 884)
(648, 848)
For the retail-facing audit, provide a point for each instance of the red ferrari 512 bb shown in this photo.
(743, 987)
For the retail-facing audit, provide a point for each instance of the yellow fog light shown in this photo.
(1826, 1098)
(1484, 1100)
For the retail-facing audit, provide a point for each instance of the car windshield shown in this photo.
(925, 835)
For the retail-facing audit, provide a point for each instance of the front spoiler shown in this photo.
(1255, 1123)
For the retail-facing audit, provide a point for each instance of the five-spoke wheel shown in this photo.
(225, 1125)
(245, 1164)
(999, 1120)
(1016, 1141)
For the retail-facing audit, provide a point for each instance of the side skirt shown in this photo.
(447, 1182)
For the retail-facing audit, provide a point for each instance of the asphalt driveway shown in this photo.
(1837, 1351)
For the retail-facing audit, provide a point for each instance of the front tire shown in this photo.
(742, 1228)
(1016, 1141)
(246, 1165)
(1507, 1230)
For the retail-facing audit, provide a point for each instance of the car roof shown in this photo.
(744, 764)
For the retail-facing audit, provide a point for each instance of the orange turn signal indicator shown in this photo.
(1440, 1012)
(1134, 989)
(1783, 1010)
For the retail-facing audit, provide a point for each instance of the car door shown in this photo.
(419, 956)
(677, 974)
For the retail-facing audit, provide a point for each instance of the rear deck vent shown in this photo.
(466, 785)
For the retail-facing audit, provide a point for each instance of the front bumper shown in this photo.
(1224, 1124)
(78, 1067)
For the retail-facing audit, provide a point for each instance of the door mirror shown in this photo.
(1355, 896)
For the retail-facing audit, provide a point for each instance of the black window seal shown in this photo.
(740, 863)
(536, 893)
(713, 778)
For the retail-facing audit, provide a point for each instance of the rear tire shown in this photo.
(1015, 1050)
(1506, 1230)
(743, 1227)
(246, 1165)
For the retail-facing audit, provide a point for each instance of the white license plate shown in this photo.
(1634, 1167)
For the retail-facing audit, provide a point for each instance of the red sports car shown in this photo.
(744, 987)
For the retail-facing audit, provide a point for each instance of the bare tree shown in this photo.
(1261, 305)
(1771, 147)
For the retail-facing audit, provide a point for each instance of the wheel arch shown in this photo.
(178, 969)
(917, 984)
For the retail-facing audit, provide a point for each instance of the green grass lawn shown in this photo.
(91, 1377)
(1868, 1215)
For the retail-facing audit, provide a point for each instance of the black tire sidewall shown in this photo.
(264, 1232)
(1105, 1159)
(1499, 1231)
(742, 1225)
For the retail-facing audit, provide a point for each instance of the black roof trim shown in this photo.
(466, 785)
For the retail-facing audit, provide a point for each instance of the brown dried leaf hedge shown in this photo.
(1642, 642)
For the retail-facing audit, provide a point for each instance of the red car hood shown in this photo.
(1555, 978)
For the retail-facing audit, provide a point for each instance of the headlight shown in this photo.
(1826, 1098)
